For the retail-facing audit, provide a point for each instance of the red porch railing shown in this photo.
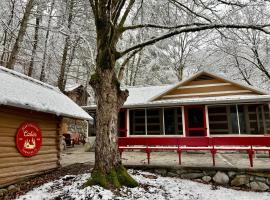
(212, 144)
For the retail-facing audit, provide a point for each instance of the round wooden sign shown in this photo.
(28, 139)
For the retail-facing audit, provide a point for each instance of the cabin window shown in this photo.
(173, 121)
(156, 121)
(239, 119)
(92, 127)
(218, 120)
(121, 124)
(137, 122)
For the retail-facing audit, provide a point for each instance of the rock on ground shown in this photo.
(221, 178)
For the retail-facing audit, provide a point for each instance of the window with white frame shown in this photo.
(156, 121)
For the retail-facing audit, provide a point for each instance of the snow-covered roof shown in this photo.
(142, 94)
(21, 91)
(205, 100)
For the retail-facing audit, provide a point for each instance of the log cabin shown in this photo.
(204, 105)
(31, 114)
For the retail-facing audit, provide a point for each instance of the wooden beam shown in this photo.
(205, 85)
(207, 93)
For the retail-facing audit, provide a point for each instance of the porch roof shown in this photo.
(197, 101)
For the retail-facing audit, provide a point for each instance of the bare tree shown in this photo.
(16, 47)
(36, 39)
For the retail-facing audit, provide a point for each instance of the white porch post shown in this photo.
(238, 122)
(127, 122)
(207, 121)
(183, 121)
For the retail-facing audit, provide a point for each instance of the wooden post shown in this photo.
(207, 121)
(127, 115)
(183, 121)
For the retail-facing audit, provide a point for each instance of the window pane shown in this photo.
(154, 121)
(218, 120)
(173, 121)
(92, 127)
(234, 119)
(122, 123)
(137, 122)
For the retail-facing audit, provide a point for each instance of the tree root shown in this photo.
(116, 178)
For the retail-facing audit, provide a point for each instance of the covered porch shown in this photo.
(196, 120)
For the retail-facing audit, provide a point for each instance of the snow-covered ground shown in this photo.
(151, 187)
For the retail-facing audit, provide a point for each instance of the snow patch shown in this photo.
(151, 187)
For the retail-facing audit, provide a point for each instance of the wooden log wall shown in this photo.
(14, 166)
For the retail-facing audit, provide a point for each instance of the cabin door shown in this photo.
(195, 121)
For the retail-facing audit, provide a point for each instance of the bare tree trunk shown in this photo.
(44, 58)
(34, 50)
(61, 77)
(15, 50)
(5, 42)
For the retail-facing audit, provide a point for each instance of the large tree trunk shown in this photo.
(108, 170)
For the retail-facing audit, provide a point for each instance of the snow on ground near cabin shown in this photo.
(21, 91)
(152, 187)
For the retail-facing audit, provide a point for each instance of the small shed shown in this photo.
(31, 114)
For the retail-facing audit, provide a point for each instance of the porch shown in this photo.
(195, 120)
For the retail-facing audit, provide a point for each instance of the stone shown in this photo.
(192, 175)
(221, 178)
(162, 172)
(207, 179)
(231, 174)
(260, 179)
(210, 173)
(258, 186)
(171, 174)
(12, 188)
(2, 192)
(240, 180)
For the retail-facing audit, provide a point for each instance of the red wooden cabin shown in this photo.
(205, 105)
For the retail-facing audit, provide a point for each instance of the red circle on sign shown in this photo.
(28, 139)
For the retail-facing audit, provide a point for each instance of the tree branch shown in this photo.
(176, 3)
(194, 29)
(229, 3)
(128, 9)
(160, 26)
(122, 68)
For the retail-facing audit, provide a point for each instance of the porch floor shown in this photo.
(189, 159)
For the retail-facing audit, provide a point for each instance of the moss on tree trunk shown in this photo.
(116, 178)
